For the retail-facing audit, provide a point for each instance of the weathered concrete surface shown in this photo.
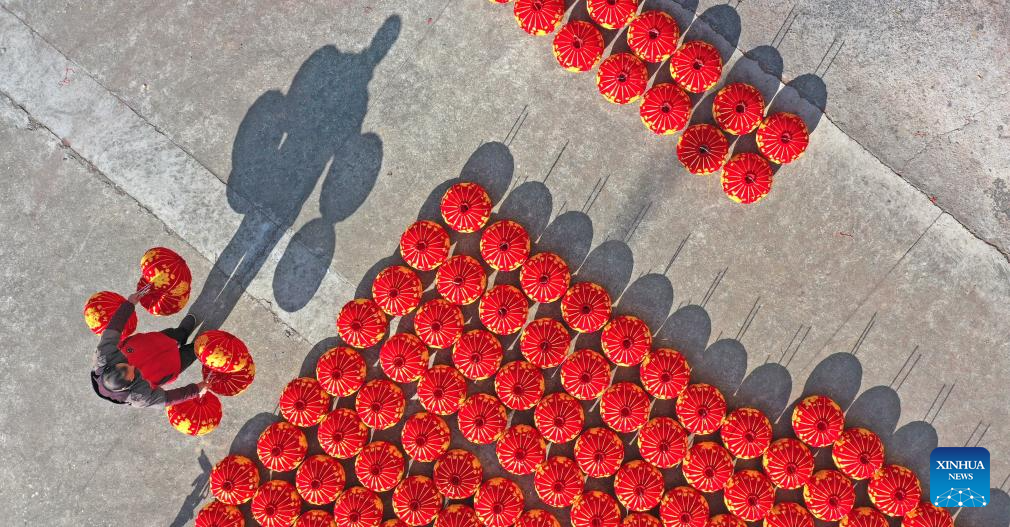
(843, 253)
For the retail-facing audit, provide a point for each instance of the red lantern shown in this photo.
(425, 436)
(314, 518)
(397, 290)
(304, 402)
(503, 309)
(438, 323)
(586, 307)
(829, 495)
(457, 515)
(612, 14)
(357, 507)
(585, 374)
(379, 466)
(234, 480)
(622, 78)
(749, 494)
(725, 520)
(624, 407)
(683, 507)
(578, 46)
(361, 323)
(789, 514)
(539, 17)
(219, 514)
(626, 340)
(665, 109)
(558, 481)
(696, 66)
(653, 36)
(599, 452)
(230, 384)
(281, 447)
(519, 385)
(169, 279)
(416, 501)
(342, 434)
(747, 178)
(380, 404)
(818, 421)
(746, 433)
(545, 277)
(498, 502)
(701, 408)
(98, 311)
(894, 490)
(595, 509)
(482, 419)
(663, 442)
(738, 108)
(341, 371)
(403, 358)
(559, 417)
(520, 449)
(782, 137)
(707, 466)
(441, 389)
(505, 245)
(544, 342)
(457, 474)
(466, 207)
(924, 515)
(788, 463)
(477, 355)
(537, 518)
(664, 373)
(638, 485)
(858, 453)
(276, 504)
(461, 280)
(702, 149)
(424, 245)
(320, 479)
(221, 351)
(641, 519)
(867, 517)
(195, 417)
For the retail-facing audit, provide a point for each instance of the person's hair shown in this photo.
(114, 378)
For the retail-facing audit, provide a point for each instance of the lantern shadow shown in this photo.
(718, 25)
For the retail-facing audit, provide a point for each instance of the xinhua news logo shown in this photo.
(959, 477)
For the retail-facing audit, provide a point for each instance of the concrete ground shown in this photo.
(287, 145)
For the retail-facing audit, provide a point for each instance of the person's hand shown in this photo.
(202, 385)
(135, 297)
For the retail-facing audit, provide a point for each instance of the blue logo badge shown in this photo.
(959, 477)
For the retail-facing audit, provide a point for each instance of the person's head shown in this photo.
(119, 377)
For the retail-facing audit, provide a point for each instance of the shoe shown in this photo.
(188, 324)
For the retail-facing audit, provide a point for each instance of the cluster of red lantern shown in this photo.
(695, 67)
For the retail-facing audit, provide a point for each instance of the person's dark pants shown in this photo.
(187, 355)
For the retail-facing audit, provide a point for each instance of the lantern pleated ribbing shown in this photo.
(397, 290)
(653, 36)
(340, 371)
(747, 178)
(782, 137)
(788, 514)
(696, 66)
(234, 480)
(425, 437)
(505, 245)
(169, 278)
(558, 481)
(738, 108)
(868, 517)
(725, 520)
(707, 466)
(416, 500)
(466, 207)
(503, 309)
(638, 485)
(586, 307)
(482, 419)
(319, 479)
(379, 466)
(664, 373)
(749, 494)
(457, 515)
(612, 14)
(789, 463)
(559, 417)
(624, 407)
(926, 515)
(544, 342)
(438, 323)
(545, 277)
(98, 311)
(894, 490)
(520, 449)
(477, 355)
(701, 408)
(858, 453)
(746, 433)
(314, 518)
(457, 474)
(342, 434)
(519, 385)
(537, 518)
(578, 46)
(702, 149)
(276, 504)
(665, 109)
(683, 507)
(304, 402)
(380, 404)
(230, 384)
(195, 417)
(641, 519)
(663, 442)
(498, 502)
(219, 514)
(818, 421)
(394, 522)
(595, 509)
(539, 17)
(361, 323)
(441, 389)
(403, 358)
(221, 351)
(281, 447)
(357, 507)
(829, 495)
(599, 452)
(625, 340)
(461, 280)
(585, 374)
(424, 245)
(622, 78)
